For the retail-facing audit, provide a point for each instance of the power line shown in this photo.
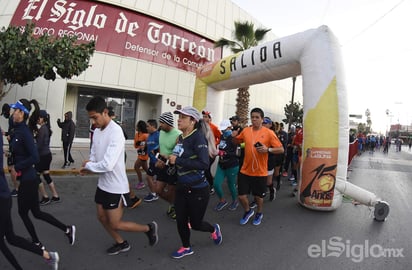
(324, 12)
(375, 22)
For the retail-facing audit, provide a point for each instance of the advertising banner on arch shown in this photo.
(119, 31)
(318, 185)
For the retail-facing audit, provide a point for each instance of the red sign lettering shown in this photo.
(119, 31)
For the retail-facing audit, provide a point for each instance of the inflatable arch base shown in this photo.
(314, 54)
(364, 197)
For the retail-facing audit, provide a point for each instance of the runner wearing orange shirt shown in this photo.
(259, 141)
(140, 139)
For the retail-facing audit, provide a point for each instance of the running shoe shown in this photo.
(40, 245)
(220, 205)
(294, 183)
(152, 233)
(292, 178)
(246, 217)
(212, 191)
(171, 212)
(272, 195)
(140, 185)
(14, 193)
(258, 219)
(151, 197)
(55, 199)
(285, 174)
(181, 252)
(118, 247)
(135, 202)
(54, 260)
(217, 235)
(45, 201)
(233, 206)
(71, 234)
(253, 205)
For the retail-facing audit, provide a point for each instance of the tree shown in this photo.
(24, 57)
(362, 128)
(245, 37)
(293, 113)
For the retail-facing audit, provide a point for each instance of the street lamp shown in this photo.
(389, 115)
(293, 97)
(368, 120)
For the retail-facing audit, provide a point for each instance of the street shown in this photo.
(290, 236)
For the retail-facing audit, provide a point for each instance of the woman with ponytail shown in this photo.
(191, 158)
(42, 137)
(7, 230)
(25, 156)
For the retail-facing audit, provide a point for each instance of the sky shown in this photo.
(376, 45)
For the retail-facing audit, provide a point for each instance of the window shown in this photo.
(124, 105)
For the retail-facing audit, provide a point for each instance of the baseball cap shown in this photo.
(224, 124)
(204, 112)
(20, 106)
(267, 120)
(234, 118)
(189, 111)
(42, 114)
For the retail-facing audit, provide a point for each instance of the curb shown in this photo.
(72, 171)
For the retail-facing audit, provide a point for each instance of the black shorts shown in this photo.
(110, 200)
(278, 160)
(162, 175)
(44, 163)
(252, 184)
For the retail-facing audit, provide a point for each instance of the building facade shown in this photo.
(147, 53)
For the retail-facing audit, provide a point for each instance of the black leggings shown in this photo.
(28, 200)
(67, 147)
(190, 206)
(6, 230)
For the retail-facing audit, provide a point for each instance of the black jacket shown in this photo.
(68, 128)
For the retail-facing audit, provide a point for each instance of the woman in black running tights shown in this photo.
(25, 156)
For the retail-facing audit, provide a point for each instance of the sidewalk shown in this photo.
(80, 152)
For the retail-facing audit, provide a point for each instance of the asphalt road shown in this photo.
(290, 236)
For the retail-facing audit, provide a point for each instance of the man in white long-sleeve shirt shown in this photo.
(107, 159)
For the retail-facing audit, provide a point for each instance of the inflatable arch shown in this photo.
(314, 54)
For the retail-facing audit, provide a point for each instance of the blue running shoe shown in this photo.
(220, 206)
(217, 235)
(233, 206)
(182, 252)
(151, 197)
(246, 217)
(258, 219)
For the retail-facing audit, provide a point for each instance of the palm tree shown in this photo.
(245, 37)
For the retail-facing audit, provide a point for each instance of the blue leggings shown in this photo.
(231, 175)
